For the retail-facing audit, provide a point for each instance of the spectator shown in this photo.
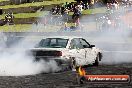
(77, 23)
(86, 6)
(53, 10)
(80, 7)
(66, 5)
(1, 12)
(58, 9)
(73, 7)
(9, 18)
(113, 4)
(66, 27)
(62, 9)
(76, 15)
(66, 15)
(92, 4)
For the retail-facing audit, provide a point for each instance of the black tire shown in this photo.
(63, 67)
(100, 56)
(36, 59)
(73, 63)
(96, 61)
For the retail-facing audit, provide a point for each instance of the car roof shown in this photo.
(65, 37)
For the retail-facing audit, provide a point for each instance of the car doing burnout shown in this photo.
(68, 50)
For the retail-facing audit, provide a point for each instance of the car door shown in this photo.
(77, 51)
(90, 54)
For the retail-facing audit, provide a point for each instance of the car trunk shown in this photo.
(46, 53)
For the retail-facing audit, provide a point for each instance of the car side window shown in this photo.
(84, 43)
(75, 44)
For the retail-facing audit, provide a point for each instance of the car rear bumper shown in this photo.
(59, 60)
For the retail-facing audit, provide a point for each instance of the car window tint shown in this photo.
(84, 43)
(53, 43)
(75, 44)
(62, 42)
(41, 42)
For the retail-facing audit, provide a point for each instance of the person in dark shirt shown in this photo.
(62, 10)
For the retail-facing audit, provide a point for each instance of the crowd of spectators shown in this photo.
(112, 4)
(75, 7)
(127, 2)
(67, 7)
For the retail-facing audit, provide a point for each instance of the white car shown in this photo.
(68, 50)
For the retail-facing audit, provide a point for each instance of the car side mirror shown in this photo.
(92, 46)
(85, 46)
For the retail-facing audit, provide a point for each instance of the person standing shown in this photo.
(92, 4)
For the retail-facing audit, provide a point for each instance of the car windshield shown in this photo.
(53, 43)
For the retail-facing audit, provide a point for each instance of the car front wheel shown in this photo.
(96, 61)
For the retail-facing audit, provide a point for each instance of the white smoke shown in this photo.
(103, 39)
(16, 60)
(115, 42)
(116, 47)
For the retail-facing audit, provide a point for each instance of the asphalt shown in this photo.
(67, 79)
(116, 61)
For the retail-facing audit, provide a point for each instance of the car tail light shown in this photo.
(58, 53)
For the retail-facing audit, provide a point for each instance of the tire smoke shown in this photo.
(17, 60)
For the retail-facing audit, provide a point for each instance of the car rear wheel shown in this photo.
(73, 65)
(63, 66)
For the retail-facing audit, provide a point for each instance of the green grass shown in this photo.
(29, 28)
(27, 15)
(85, 12)
(35, 4)
(99, 10)
(39, 28)
(16, 28)
(3, 0)
(40, 14)
(94, 11)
